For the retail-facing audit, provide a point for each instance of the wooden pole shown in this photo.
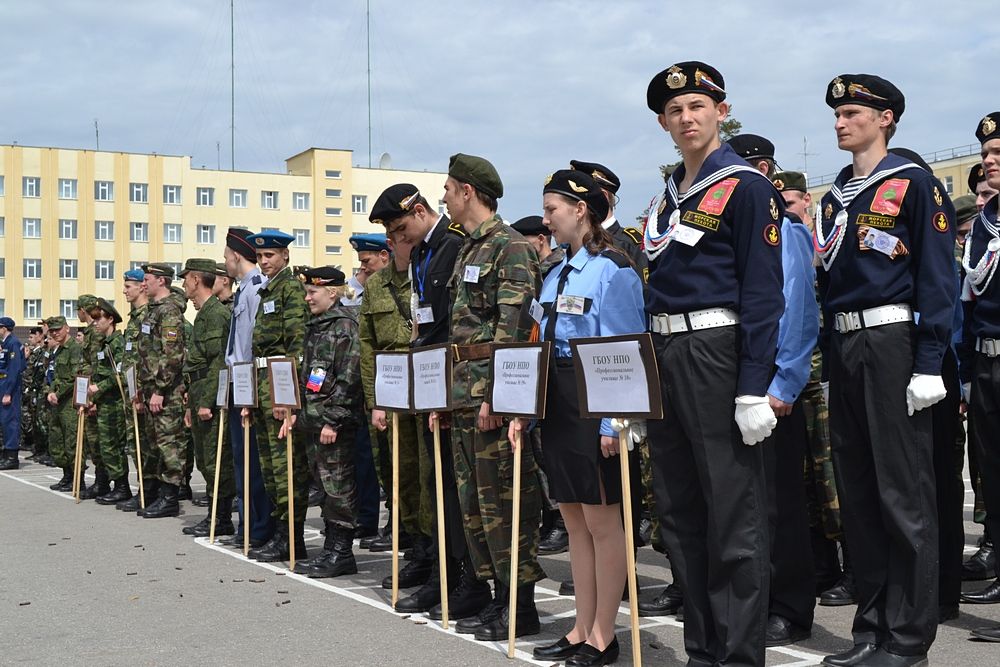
(291, 493)
(215, 485)
(442, 546)
(138, 458)
(246, 485)
(515, 525)
(633, 593)
(395, 509)
(78, 457)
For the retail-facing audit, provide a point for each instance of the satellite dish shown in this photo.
(385, 162)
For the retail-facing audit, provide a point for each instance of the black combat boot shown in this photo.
(9, 460)
(527, 617)
(184, 490)
(337, 557)
(982, 564)
(121, 492)
(166, 503)
(276, 548)
(150, 487)
(471, 625)
(65, 483)
(384, 543)
(417, 570)
(845, 592)
(427, 596)
(468, 595)
(100, 487)
(223, 521)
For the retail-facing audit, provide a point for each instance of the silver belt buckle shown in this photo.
(990, 347)
(848, 322)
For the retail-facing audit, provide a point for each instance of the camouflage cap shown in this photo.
(164, 270)
(965, 208)
(86, 301)
(790, 180)
(197, 264)
(56, 322)
(220, 270)
(477, 172)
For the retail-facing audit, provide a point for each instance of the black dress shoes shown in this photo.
(781, 632)
(884, 658)
(844, 593)
(588, 656)
(989, 595)
(561, 650)
(991, 634)
(666, 603)
(855, 656)
(980, 565)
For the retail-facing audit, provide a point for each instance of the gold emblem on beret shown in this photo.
(837, 88)
(676, 78)
(937, 196)
(780, 184)
(598, 175)
(774, 209)
(259, 241)
(548, 179)
(828, 211)
(378, 221)
(979, 172)
(407, 202)
(576, 188)
(989, 125)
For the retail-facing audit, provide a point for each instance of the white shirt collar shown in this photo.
(609, 222)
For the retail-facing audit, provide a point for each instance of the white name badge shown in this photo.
(268, 307)
(570, 305)
(128, 346)
(471, 274)
(689, 236)
(885, 243)
(100, 356)
(146, 328)
(425, 315)
(536, 311)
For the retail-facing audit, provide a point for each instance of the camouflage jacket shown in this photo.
(103, 371)
(495, 279)
(161, 348)
(88, 349)
(130, 356)
(329, 377)
(34, 372)
(385, 322)
(554, 259)
(206, 353)
(281, 318)
(63, 364)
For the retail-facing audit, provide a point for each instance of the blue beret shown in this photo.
(271, 238)
(7, 323)
(138, 275)
(369, 242)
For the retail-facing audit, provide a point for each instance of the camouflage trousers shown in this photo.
(62, 433)
(28, 429)
(821, 485)
(416, 503)
(648, 506)
(167, 438)
(274, 459)
(110, 435)
(333, 466)
(150, 455)
(38, 408)
(91, 441)
(205, 436)
(484, 472)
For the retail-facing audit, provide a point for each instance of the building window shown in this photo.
(300, 201)
(33, 269)
(333, 229)
(67, 229)
(171, 233)
(441, 207)
(333, 250)
(333, 173)
(104, 269)
(67, 308)
(3, 267)
(139, 232)
(67, 188)
(237, 198)
(31, 186)
(104, 191)
(32, 309)
(3, 227)
(32, 228)
(132, 266)
(268, 199)
(359, 204)
(176, 266)
(949, 185)
(206, 234)
(269, 229)
(334, 192)
(104, 230)
(301, 238)
(138, 193)
(171, 194)
(1, 185)
(3, 307)
(333, 211)
(205, 196)
(68, 269)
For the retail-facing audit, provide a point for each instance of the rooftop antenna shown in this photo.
(97, 135)
(805, 155)
(368, 32)
(218, 155)
(232, 85)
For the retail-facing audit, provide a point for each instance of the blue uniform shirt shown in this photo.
(986, 306)
(736, 264)
(910, 205)
(11, 365)
(799, 325)
(613, 303)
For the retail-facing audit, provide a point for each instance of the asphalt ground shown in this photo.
(86, 584)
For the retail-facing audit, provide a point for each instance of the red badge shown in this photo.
(940, 221)
(889, 198)
(717, 197)
(771, 235)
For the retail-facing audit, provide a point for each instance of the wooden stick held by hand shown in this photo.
(515, 521)
(246, 485)
(78, 456)
(215, 485)
(442, 547)
(395, 509)
(291, 494)
(633, 595)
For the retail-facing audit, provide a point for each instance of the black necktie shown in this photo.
(550, 324)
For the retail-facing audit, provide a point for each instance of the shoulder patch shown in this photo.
(634, 234)
(940, 221)
(888, 199)
(715, 199)
(618, 257)
(457, 228)
(772, 236)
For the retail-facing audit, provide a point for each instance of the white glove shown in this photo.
(637, 429)
(825, 388)
(755, 418)
(967, 393)
(618, 425)
(923, 392)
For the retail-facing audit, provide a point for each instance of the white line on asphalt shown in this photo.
(60, 494)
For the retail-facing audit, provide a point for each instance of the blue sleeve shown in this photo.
(15, 365)
(799, 325)
(624, 314)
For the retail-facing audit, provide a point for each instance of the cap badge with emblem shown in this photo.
(676, 78)
(989, 125)
(260, 241)
(838, 89)
(576, 188)
(778, 183)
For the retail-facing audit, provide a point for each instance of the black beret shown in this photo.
(687, 77)
(580, 186)
(531, 226)
(324, 276)
(477, 172)
(867, 90)
(912, 156)
(976, 176)
(989, 127)
(236, 240)
(604, 176)
(394, 202)
(752, 146)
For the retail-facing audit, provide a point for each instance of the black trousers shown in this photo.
(949, 461)
(710, 496)
(793, 577)
(984, 423)
(885, 477)
(454, 532)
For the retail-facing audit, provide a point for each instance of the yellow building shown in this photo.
(72, 221)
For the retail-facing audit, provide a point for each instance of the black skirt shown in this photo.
(573, 462)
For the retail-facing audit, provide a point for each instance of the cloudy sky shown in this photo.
(528, 84)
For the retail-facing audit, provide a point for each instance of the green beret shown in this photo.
(477, 172)
(86, 301)
(790, 180)
(56, 322)
(197, 264)
(163, 270)
(965, 208)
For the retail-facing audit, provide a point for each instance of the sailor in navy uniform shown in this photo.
(12, 364)
(885, 234)
(714, 298)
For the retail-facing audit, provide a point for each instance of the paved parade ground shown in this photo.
(86, 584)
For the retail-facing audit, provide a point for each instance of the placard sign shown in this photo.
(130, 381)
(222, 393)
(392, 381)
(430, 368)
(80, 387)
(244, 385)
(617, 377)
(284, 383)
(519, 375)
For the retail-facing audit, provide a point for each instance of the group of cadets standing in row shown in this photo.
(791, 463)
